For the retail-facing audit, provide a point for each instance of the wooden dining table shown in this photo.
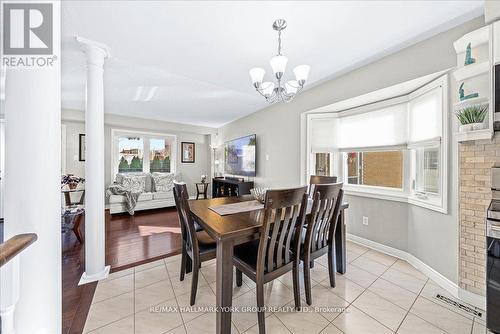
(234, 229)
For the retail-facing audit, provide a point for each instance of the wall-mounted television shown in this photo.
(239, 156)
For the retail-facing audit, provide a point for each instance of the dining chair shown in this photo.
(318, 237)
(197, 246)
(276, 252)
(320, 179)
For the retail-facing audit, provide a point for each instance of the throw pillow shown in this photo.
(163, 181)
(134, 183)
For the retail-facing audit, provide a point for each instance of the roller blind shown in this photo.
(323, 134)
(380, 128)
(425, 116)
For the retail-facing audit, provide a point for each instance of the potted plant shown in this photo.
(472, 117)
(71, 181)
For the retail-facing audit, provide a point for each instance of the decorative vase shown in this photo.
(72, 186)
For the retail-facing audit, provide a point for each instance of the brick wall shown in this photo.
(475, 161)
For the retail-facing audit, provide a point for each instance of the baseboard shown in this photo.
(450, 286)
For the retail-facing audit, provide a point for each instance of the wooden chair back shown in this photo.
(284, 212)
(319, 179)
(186, 221)
(324, 215)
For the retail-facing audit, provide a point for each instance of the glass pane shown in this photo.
(130, 154)
(159, 151)
(378, 168)
(322, 164)
(428, 177)
(353, 171)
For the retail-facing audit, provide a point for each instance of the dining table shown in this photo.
(234, 229)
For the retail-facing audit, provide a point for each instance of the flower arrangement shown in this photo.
(472, 117)
(71, 180)
(203, 178)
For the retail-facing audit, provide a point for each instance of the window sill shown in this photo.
(431, 204)
(395, 196)
(378, 193)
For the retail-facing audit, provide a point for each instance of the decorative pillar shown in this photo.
(95, 268)
(30, 284)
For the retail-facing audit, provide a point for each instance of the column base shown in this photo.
(95, 277)
(7, 323)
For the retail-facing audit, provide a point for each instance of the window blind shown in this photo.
(323, 135)
(425, 117)
(385, 127)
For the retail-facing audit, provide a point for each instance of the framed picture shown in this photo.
(81, 147)
(188, 152)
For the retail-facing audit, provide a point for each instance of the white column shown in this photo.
(95, 268)
(32, 201)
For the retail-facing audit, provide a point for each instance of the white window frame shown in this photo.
(395, 194)
(406, 194)
(117, 133)
(436, 202)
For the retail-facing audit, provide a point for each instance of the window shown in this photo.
(322, 164)
(142, 152)
(375, 168)
(130, 151)
(394, 149)
(427, 176)
(160, 150)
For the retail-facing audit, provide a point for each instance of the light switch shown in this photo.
(267, 157)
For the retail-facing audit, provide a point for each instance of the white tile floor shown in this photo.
(380, 294)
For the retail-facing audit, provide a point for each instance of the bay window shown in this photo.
(394, 149)
(134, 151)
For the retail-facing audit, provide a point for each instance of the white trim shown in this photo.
(377, 195)
(396, 147)
(445, 283)
(96, 277)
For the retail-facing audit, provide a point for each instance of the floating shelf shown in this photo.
(474, 135)
(476, 38)
(470, 102)
(473, 70)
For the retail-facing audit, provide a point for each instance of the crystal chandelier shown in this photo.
(280, 91)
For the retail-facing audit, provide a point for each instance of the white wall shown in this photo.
(190, 172)
(428, 235)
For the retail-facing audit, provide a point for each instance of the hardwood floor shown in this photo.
(130, 240)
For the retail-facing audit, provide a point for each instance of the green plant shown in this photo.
(123, 164)
(472, 114)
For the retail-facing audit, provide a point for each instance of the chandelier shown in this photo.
(280, 91)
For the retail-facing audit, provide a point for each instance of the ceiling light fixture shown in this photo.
(280, 91)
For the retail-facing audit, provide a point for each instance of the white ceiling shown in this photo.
(199, 53)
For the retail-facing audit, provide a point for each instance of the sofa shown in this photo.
(150, 197)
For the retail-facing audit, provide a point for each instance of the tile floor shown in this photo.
(380, 294)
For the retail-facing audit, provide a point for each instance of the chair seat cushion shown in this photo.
(247, 253)
(205, 242)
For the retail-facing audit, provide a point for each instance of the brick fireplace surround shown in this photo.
(475, 161)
